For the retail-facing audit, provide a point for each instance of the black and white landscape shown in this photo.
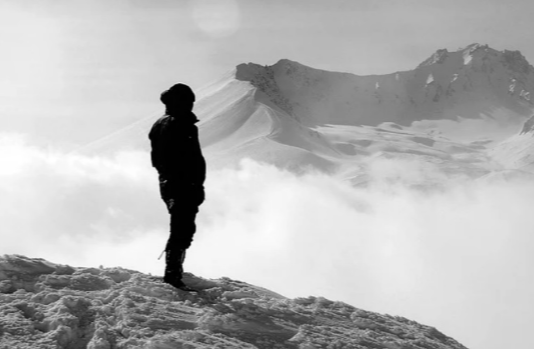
(397, 193)
(370, 174)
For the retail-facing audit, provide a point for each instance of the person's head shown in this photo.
(179, 98)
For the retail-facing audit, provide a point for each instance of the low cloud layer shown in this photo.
(458, 258)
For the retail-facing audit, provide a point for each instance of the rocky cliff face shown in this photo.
(45, 305)
(471, 82)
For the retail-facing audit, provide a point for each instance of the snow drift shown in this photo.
(45, 305)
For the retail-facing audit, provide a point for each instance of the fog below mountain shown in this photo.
(462, 251)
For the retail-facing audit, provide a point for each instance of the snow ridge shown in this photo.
(465, 83)
(263, 78)
(49, 306)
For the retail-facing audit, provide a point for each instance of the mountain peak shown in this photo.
(473, 47)
(466, 53)
(284, 66)
(247, 71)
(286, 62)
(477, 54)
(437, 57)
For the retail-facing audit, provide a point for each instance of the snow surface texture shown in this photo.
(45, 305)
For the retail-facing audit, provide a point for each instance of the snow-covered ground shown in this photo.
(45, 305)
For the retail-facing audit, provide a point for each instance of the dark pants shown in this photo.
(182, 204)
(182, 226)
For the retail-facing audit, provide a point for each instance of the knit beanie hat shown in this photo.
(177, 94)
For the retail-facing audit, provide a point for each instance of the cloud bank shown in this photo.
(458, 258)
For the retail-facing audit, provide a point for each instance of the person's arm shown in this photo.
(198, 167)
(199, 161)
(153, 146)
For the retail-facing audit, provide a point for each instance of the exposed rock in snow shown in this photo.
(45, 305)
(529, 126)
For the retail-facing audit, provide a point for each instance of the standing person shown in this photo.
(177, 157)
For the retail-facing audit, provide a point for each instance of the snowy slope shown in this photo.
(45, 305)
(517, 152)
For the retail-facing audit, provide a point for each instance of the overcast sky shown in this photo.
(73, 71)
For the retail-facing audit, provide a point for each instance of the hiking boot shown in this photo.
(173, 265)
(179, 284)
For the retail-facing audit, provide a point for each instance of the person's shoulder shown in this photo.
(161, 122)
(164, 120)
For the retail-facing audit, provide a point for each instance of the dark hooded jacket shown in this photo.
(176, 152)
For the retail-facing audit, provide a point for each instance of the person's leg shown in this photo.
(182, 230)
(174, 259)
(183, 226)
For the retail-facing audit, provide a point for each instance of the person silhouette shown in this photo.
(177, 156)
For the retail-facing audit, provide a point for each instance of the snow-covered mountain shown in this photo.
(45, 305)
(453, 111)
(472, 82)
(447, 110)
